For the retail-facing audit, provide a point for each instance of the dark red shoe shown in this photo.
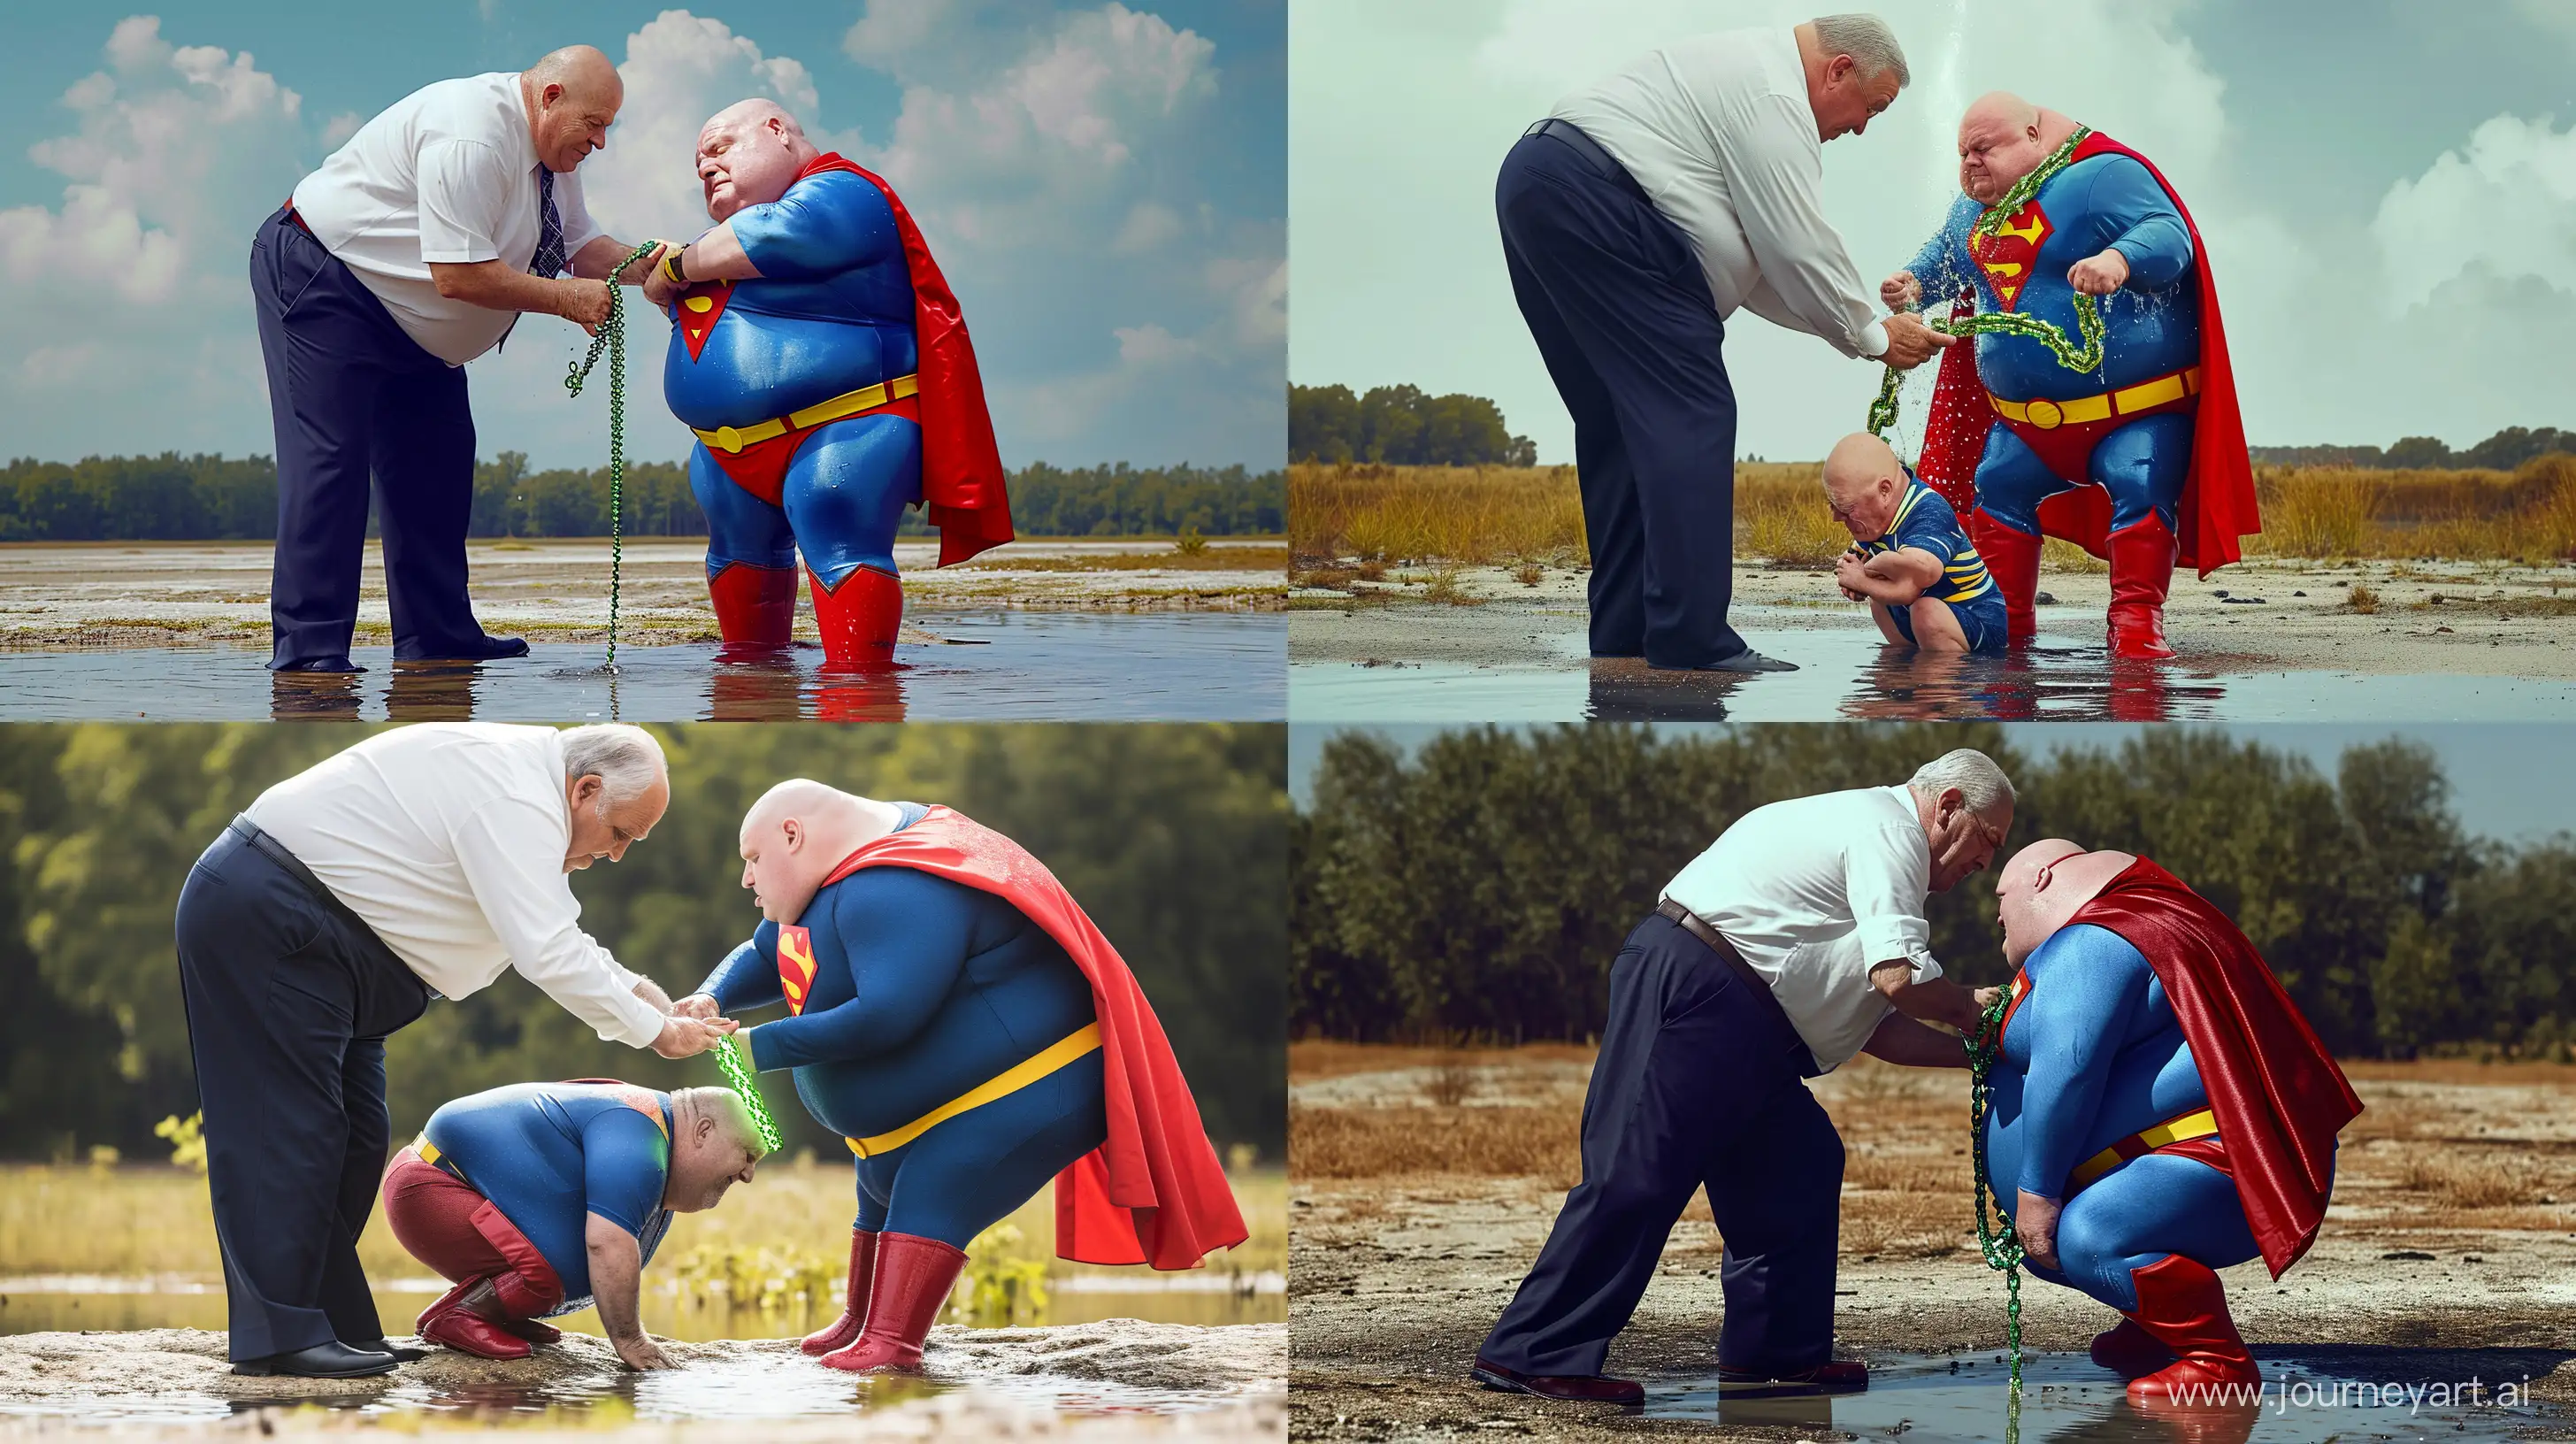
(2129, 1351)
(1834, 1376)
(472, 1334)
(1566, 1388)
(854, 1312)
(534, 1331)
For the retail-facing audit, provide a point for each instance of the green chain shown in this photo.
(1996, 1241)
(2088, 312)
(612, 338)
(729, 1057)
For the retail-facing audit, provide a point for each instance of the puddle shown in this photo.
(2310, 1396)
(1001, 666)
(1849, 674)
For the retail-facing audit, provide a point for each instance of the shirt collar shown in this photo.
(528, 161)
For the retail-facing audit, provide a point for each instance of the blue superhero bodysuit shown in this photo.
(2151, 329)
(832, 313)
(2092, 1054)
(548, 1155)
(924, 989)
(1926, 522)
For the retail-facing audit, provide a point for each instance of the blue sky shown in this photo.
(1102, 184)
(2387, 188)
(2492, 767)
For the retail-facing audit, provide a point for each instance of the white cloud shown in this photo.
(1146, 228)
(679, 69)
(339, 128)
(2507, 205)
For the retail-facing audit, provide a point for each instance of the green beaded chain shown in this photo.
(612, 338)
(729, 1057)
(1996, 1241)
(2088, 313)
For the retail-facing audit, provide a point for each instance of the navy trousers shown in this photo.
(352, 396)
(1614, 296)
(1700, 1083)
(289, 1000)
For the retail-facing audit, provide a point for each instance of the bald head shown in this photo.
(1864, 484)
(572, 98)
(2002, 138)
(749, 153)
(796, 834)
(2043, 886)
(714, 1145)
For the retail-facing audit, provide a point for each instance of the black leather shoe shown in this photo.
(400, 1354)
(479, 649)
(1568, 1388)
(334, 1360)
(1835, 1376)
(1747, 660)
(339, 663)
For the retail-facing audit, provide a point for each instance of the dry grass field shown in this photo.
(1485, 516)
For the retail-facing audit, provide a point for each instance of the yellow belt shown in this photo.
(2048, 415)
(1000, 1085)
(866, 398)
(430, 1155)
(2137, 1145)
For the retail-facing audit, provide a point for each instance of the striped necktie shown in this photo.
(549, 261)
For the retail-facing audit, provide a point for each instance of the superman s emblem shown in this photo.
(795, 966)
(697, 311)
(2006, 256)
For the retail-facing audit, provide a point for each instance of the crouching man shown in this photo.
(543, 1198)
(1923, 580)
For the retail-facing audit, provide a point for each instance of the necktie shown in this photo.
(549, 261)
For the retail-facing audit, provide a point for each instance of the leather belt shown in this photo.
(1602, 162)
(2048, 415)
(732, 439)
(1010, 1080)
(1697, 926)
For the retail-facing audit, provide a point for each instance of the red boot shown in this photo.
(755, 606)
(858, 620)
(534, 1331)
(2183, 1305)
(2129, 1351)
(449, 1322)
(2012, 559)
(854, 1311)
(913, 1278)
(2142, 563)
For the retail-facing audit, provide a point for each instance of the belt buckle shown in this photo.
(2043, 413)
(729, 439)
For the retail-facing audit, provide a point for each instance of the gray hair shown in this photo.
(1867, 40)
(623, 756)
(1978, 779)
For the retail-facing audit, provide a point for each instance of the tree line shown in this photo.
(2503, 451)
(1401, 426)
(1173, 838)
(1480, 887)
(171, 497)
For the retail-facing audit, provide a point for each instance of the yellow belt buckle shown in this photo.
(2043, 413)
(728, 438)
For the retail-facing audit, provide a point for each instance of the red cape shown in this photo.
(2277, 1093)
(1154, 1192)
(961, 464)
(2217, 494)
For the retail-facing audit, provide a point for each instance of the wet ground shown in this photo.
(2266, 640)
(1113, 1367)
(981, 666)
(1847, 673)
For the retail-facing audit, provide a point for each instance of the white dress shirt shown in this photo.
(1814, 892)
(448, 839)
(448, 173)
(1719, 131)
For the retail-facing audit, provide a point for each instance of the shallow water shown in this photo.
(1852, 674)
(2310, 1395)
(999, 666)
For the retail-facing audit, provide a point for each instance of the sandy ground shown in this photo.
(152, 594)
(2491, 619)
(1228, 1377)
(1396, 1278)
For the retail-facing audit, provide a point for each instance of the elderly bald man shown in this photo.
(1924, 582)
(2140, 459)
(419, 864)
(2161, 1110)
(822, 360)
(1636, 220)
(954, 1014)
(413, 250)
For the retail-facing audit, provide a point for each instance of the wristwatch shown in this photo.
(672, 268)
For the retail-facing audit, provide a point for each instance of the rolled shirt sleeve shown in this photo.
(1886, 877)
(464, 192)
(1774, 166)
(526, 898)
